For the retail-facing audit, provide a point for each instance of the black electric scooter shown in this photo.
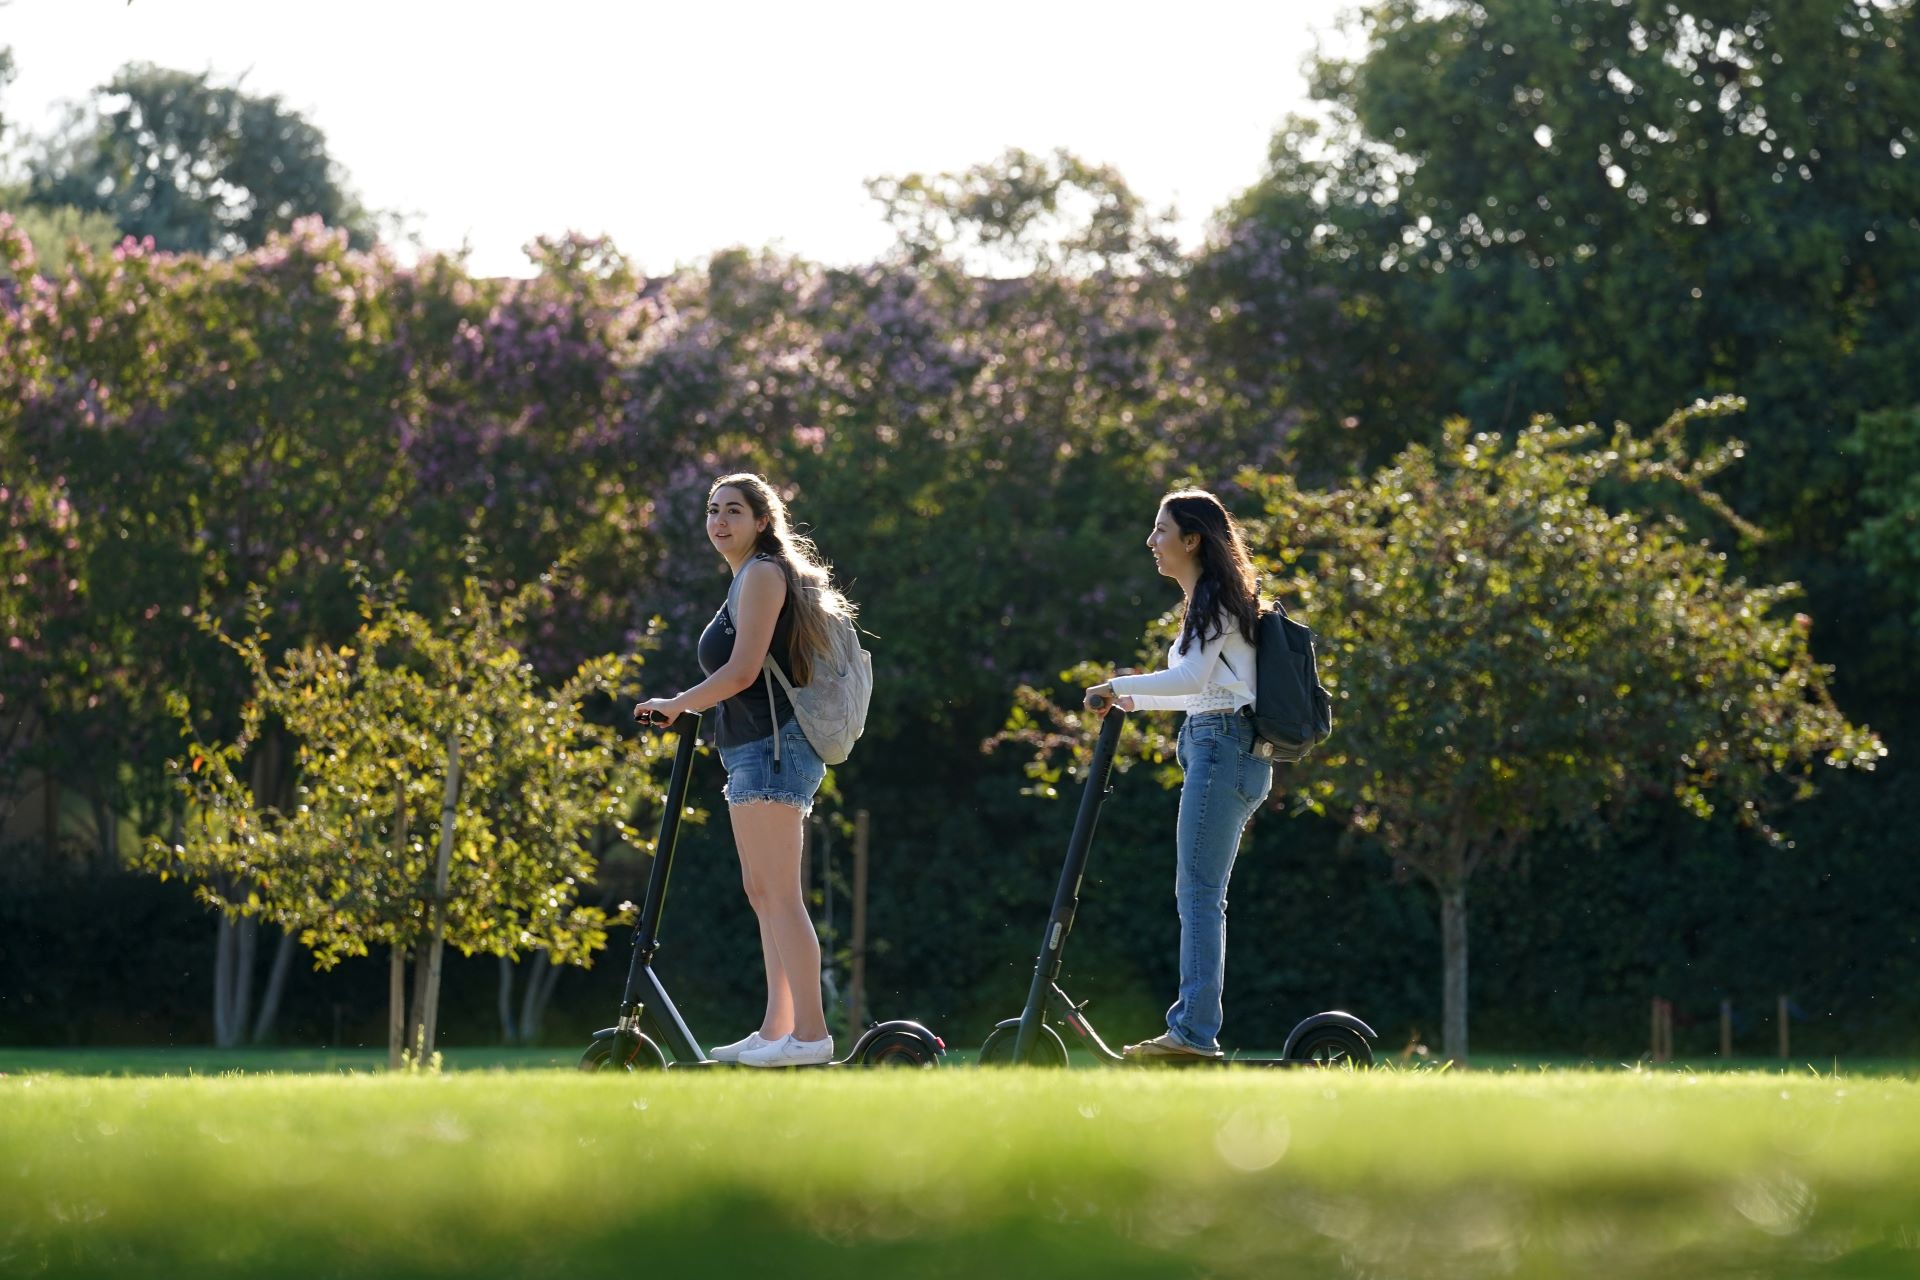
(651, 1033)
(1325, 1039)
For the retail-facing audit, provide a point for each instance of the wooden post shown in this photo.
(824, 842)
(857, 982)
(1780, 1016)
(821, 841)
(1662, 1029)
(1726, 1028)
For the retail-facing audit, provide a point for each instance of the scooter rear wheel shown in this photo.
(1333, 1046)
(1048, 1049)
(900, 1048)
(623, 1053)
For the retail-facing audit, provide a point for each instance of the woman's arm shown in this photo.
(763, 589)
(1187, 675)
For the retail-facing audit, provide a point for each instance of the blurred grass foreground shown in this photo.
(475, 1174)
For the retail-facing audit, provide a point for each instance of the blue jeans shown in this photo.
(1223, 785)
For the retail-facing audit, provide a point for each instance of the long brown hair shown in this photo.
(811, 595)
(1228, 586)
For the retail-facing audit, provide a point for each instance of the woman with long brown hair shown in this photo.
(781, 601)
(1224, 777)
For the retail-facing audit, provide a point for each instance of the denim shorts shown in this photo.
(752, 773)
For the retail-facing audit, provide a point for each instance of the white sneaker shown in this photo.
(788, 1052)
(732, 1052)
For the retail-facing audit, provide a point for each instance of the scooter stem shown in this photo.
(1066, 898)
(647, 938)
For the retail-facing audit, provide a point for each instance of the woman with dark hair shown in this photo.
(1210, 676)
(780, 601)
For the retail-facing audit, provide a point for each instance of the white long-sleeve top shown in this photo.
(1216, 676)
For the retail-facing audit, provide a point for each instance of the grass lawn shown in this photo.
(203, 1061)
(199, 1060)
(960, 1172)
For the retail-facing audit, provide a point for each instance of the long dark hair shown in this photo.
(811, 595)
(1228, 586)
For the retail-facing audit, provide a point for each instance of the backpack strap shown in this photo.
(768, 667)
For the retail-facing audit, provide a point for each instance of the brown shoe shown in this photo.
(1165, 1046)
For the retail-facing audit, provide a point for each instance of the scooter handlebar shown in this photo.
(688, 722)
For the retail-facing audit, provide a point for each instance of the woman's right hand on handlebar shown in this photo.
(658, 713)
(1101, 699)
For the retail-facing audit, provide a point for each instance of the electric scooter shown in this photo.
(651, 1034)
(1325, 1039)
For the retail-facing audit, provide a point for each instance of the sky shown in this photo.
(680, 129)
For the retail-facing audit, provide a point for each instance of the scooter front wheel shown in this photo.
(612, 1051)
(1048, 1049)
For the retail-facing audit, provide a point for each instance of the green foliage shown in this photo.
(1888, 539)
(185, 429)
(54, 231)
(348, 862)
(198, 167)
(1598, 211)
(1508, 654)
(1026, 213)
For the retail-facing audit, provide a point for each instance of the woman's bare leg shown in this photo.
(779, 1017)
(768, 836)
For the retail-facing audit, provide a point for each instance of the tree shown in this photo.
(7, 72)
(1599, 210)
(1026, 214)
(1520, 656)
(1309, 314)
(1509, 656)
(199, 167)
(441, 797)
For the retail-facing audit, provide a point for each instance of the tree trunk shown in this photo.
(533, 1007)
(233, 979)
(396, 1005)
(509, 1033)
(106, 830)
(1453, 982)
(246, 932)
(417, 1007)
(399, 1026)
(437, 937)
(222, 980)
(276, 985)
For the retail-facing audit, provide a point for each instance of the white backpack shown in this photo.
(832, 707)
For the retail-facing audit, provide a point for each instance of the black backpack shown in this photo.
(1292, 714)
